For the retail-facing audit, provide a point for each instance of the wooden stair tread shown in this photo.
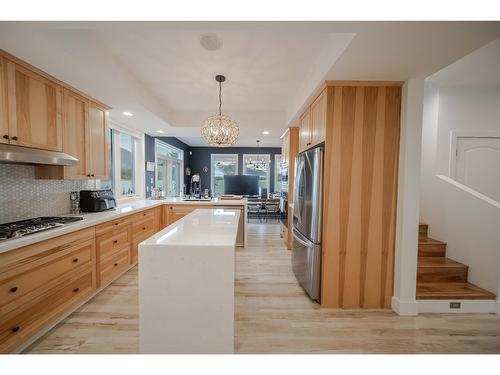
(452, 291)
(429, 241)
(439, 262)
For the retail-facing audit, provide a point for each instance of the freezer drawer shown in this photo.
(306, 264)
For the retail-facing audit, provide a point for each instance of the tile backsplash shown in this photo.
(22, 196)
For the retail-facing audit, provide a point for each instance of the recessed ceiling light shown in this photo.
(129, 114)
(211, 41)
(160, 131)
(265, 132)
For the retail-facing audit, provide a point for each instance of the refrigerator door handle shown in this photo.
(301, 239)
(297, 203)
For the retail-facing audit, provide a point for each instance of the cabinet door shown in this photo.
(318, 119)
(4, 124)
(35, 118)
(98, 141)
(75, 134)
(305, 131)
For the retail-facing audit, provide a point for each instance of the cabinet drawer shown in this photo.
(144, 214)
(30, 281)
(112, 226)
(22, 323)
(112, 267)
(109, 244)
(143, 229)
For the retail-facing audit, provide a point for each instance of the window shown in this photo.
(258, 165)
(221, 165)
(278, 160)
(169, 168)
(109, 184)
(125, 166)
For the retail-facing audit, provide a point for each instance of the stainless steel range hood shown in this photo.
(26, 155)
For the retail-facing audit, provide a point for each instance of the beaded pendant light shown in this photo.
(220, 130)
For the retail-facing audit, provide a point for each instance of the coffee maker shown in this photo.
(195, 189)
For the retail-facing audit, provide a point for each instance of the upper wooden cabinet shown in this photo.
(39, 111)
(305, 130)
(313, 123)
(318, 119)
(34, 109)
(98, 141)
(76, 139)
(4, 120)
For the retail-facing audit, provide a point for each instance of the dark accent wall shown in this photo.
(149, 155)
(200, 157)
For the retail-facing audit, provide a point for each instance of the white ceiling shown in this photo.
(159, 71)
(479, 68)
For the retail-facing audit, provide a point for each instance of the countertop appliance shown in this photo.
(97, 200)
(22, 228)
(307, 220)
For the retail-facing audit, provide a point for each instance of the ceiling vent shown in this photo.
(211, 42)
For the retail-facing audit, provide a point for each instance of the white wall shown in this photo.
(405, 263)
(465, 108)
(469, 224)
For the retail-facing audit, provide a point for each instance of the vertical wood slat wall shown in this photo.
(359, 215)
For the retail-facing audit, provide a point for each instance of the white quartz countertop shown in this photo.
(202, 227)
(91, 219)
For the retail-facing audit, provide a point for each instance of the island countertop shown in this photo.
(186, 285)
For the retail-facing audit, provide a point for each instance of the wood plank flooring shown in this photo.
(273, 315)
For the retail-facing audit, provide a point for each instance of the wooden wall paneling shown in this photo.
(362, 144)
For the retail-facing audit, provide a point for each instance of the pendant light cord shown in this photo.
(220, 98)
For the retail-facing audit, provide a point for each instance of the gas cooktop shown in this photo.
(23, 228)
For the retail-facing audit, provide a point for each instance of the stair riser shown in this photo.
(431, 250)
(441, 274)
(422, 230)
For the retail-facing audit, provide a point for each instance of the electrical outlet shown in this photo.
(455, 305)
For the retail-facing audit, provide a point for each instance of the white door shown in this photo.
(478, 164)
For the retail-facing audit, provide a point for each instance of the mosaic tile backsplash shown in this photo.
(22, 196)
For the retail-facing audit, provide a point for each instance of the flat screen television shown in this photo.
(241, 185)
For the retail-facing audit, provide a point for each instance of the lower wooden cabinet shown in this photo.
(40, 282)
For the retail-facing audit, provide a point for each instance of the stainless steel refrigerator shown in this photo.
(307, 218)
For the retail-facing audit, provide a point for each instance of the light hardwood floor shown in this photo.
(273, 315)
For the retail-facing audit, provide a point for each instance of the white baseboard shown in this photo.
(466, 306)
(497, 309)
(404, 307)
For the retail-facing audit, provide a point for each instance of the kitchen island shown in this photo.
(186, 285)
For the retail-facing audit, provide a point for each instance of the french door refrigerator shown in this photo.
(307, 218)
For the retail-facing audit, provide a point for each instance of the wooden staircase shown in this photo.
(439, 277)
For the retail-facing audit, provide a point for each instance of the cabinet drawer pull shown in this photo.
(116, 223)
(15, 329)
(76, 290)
(88, 175)
(115, 264)
(13, 289)
(75, 260)
(5, 136)
(143, 228)
(15, 138)
(144, 214)
(92, 175)
(115, 241)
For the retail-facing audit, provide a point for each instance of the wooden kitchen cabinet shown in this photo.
(305, 130)
(318, 119)
(4, 119)
(40, 281)
(42, 112)
(313, 123)
(76, 134)
(34, 109)
(98, 141)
